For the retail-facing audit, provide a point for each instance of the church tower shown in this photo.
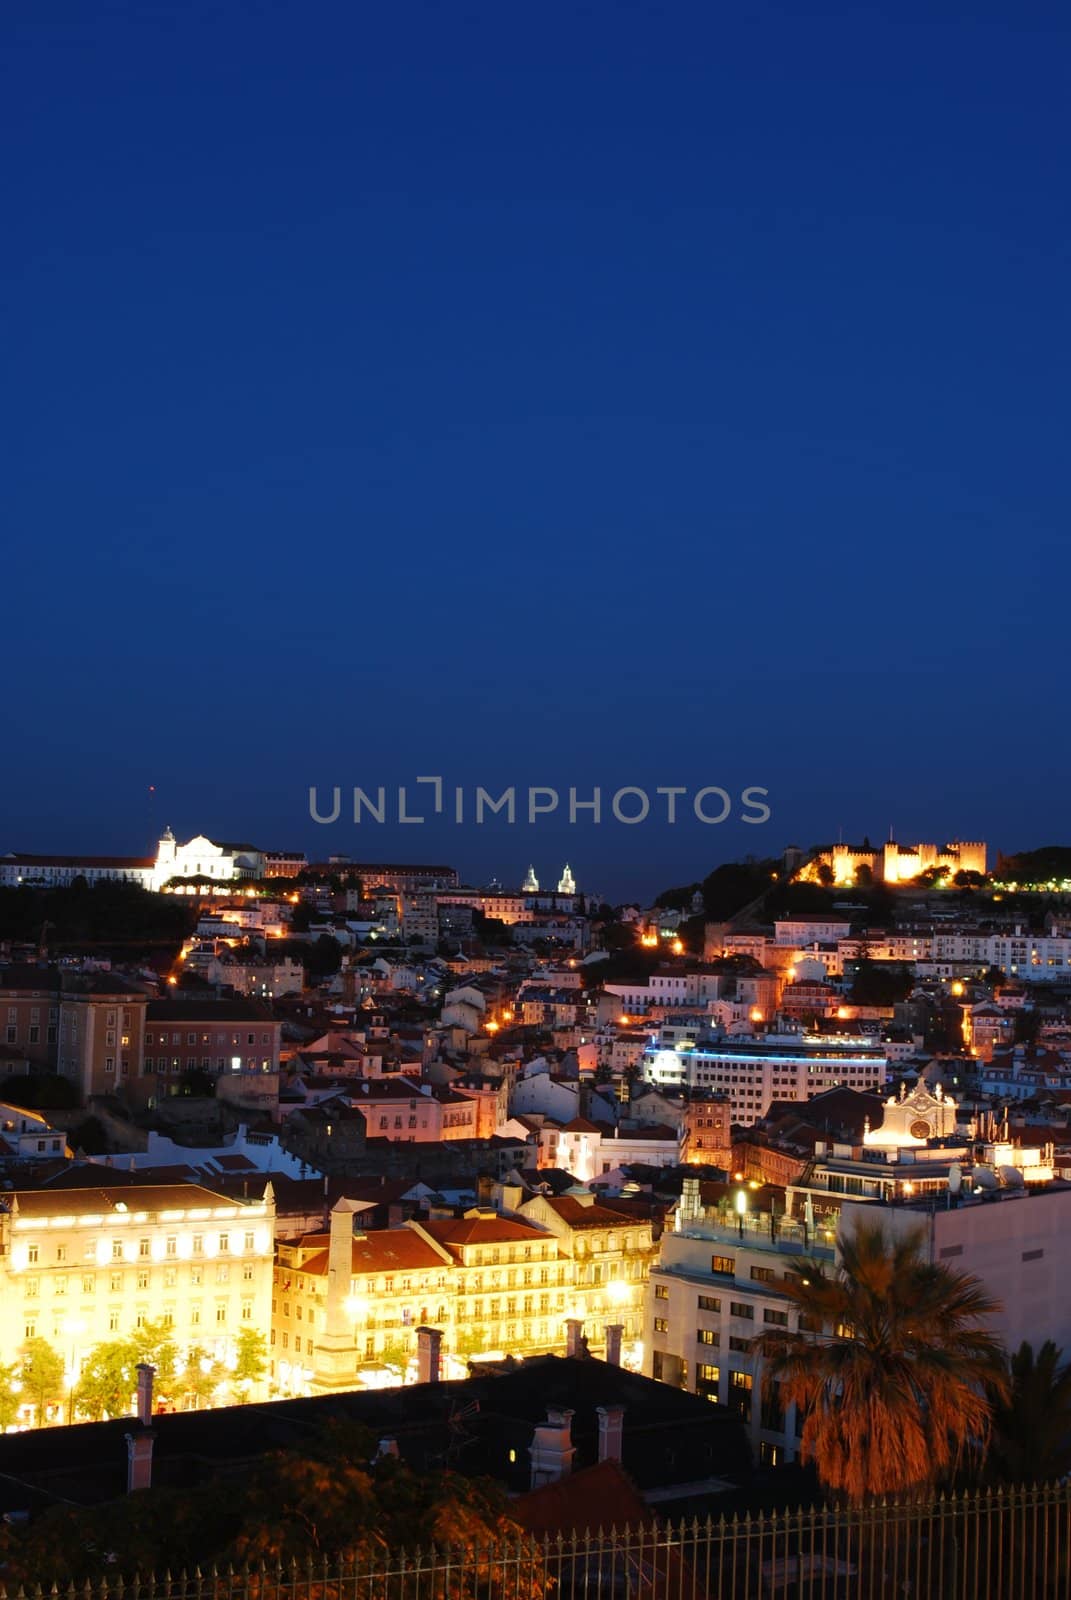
(165, 860)
(566, 883)
(531, 883)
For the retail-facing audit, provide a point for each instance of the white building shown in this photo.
(1017, 1240)
(712, 1292)
(750, 1073)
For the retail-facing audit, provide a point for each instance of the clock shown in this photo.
(920, 1129)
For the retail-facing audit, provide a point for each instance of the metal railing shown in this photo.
(1002, 1544)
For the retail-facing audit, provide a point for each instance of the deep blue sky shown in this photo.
(592, 393)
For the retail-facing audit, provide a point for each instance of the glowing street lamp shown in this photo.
(73, 1327)
(741, 1209)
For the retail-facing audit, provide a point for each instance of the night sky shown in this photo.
(588, 394)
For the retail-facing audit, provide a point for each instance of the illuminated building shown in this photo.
(82, 1267)
(611, 1254)
(893, 863)
(567, 883)
(712, 1291)
(201, 858)
(751, 1072)
(348, 1303)
(531, 882)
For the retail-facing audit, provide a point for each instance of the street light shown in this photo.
(741, 1208)
(73, 1327)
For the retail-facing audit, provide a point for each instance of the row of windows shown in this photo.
(60, 1284)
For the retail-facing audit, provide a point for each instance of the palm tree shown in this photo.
(1032, 1426)
(899, 1379)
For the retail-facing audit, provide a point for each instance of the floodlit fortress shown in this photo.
(893, 863)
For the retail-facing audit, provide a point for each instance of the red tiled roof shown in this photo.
(602, 1496)
(481, 1230)
(385, 1250)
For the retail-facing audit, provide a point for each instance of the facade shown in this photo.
(82, 1267)
(201, 858)
(59, 872)
(1017, 1241)
(708, 1133)
(750, 1073)
(611, 1254)
(712, 1291)
(29, 1013)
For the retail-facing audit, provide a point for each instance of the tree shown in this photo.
(252, 1361)
(155, 1344)
(1032, 1426)
(864, 876)
(42, 1373)
(905, 1386)
(9, 1396)
(826, 875)
(200, 1377)
(107, 1384)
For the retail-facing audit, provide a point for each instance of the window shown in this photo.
(740, 1308)
(709, 1302)
(810, 1324)
(776, 1319)
(740, 1387)
(113, 1320)
(706, 1336)
(89, 1282)
(197, 1275)
(763, 1274)
(221, 1312)
(32, 1254)
(707, 1381)
(741, 1346)
(724, 1266)
(660, 1324)
(224, 1242)
(661, 1292)
(143, 1279)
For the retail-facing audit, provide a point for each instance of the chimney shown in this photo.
(614, 1330)
(551, 1450)
(429, 1355)
(485, 1191)
(574, 1333)
(611, 1423)
(139, 1460)
(146, 1374)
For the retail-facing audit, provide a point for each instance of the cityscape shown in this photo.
(278, 1130)
(535, 879)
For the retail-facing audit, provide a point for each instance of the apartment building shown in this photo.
(712, 1291)
(81, 1267)
(751, 1072)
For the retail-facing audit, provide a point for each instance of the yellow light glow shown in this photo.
(957, 987)
(756, 1014)
(492, 1026)
(678, 947)
(618, 1291)
(623, 1020)
(842, 1012)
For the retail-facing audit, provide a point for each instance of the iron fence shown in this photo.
(1002, 1544)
